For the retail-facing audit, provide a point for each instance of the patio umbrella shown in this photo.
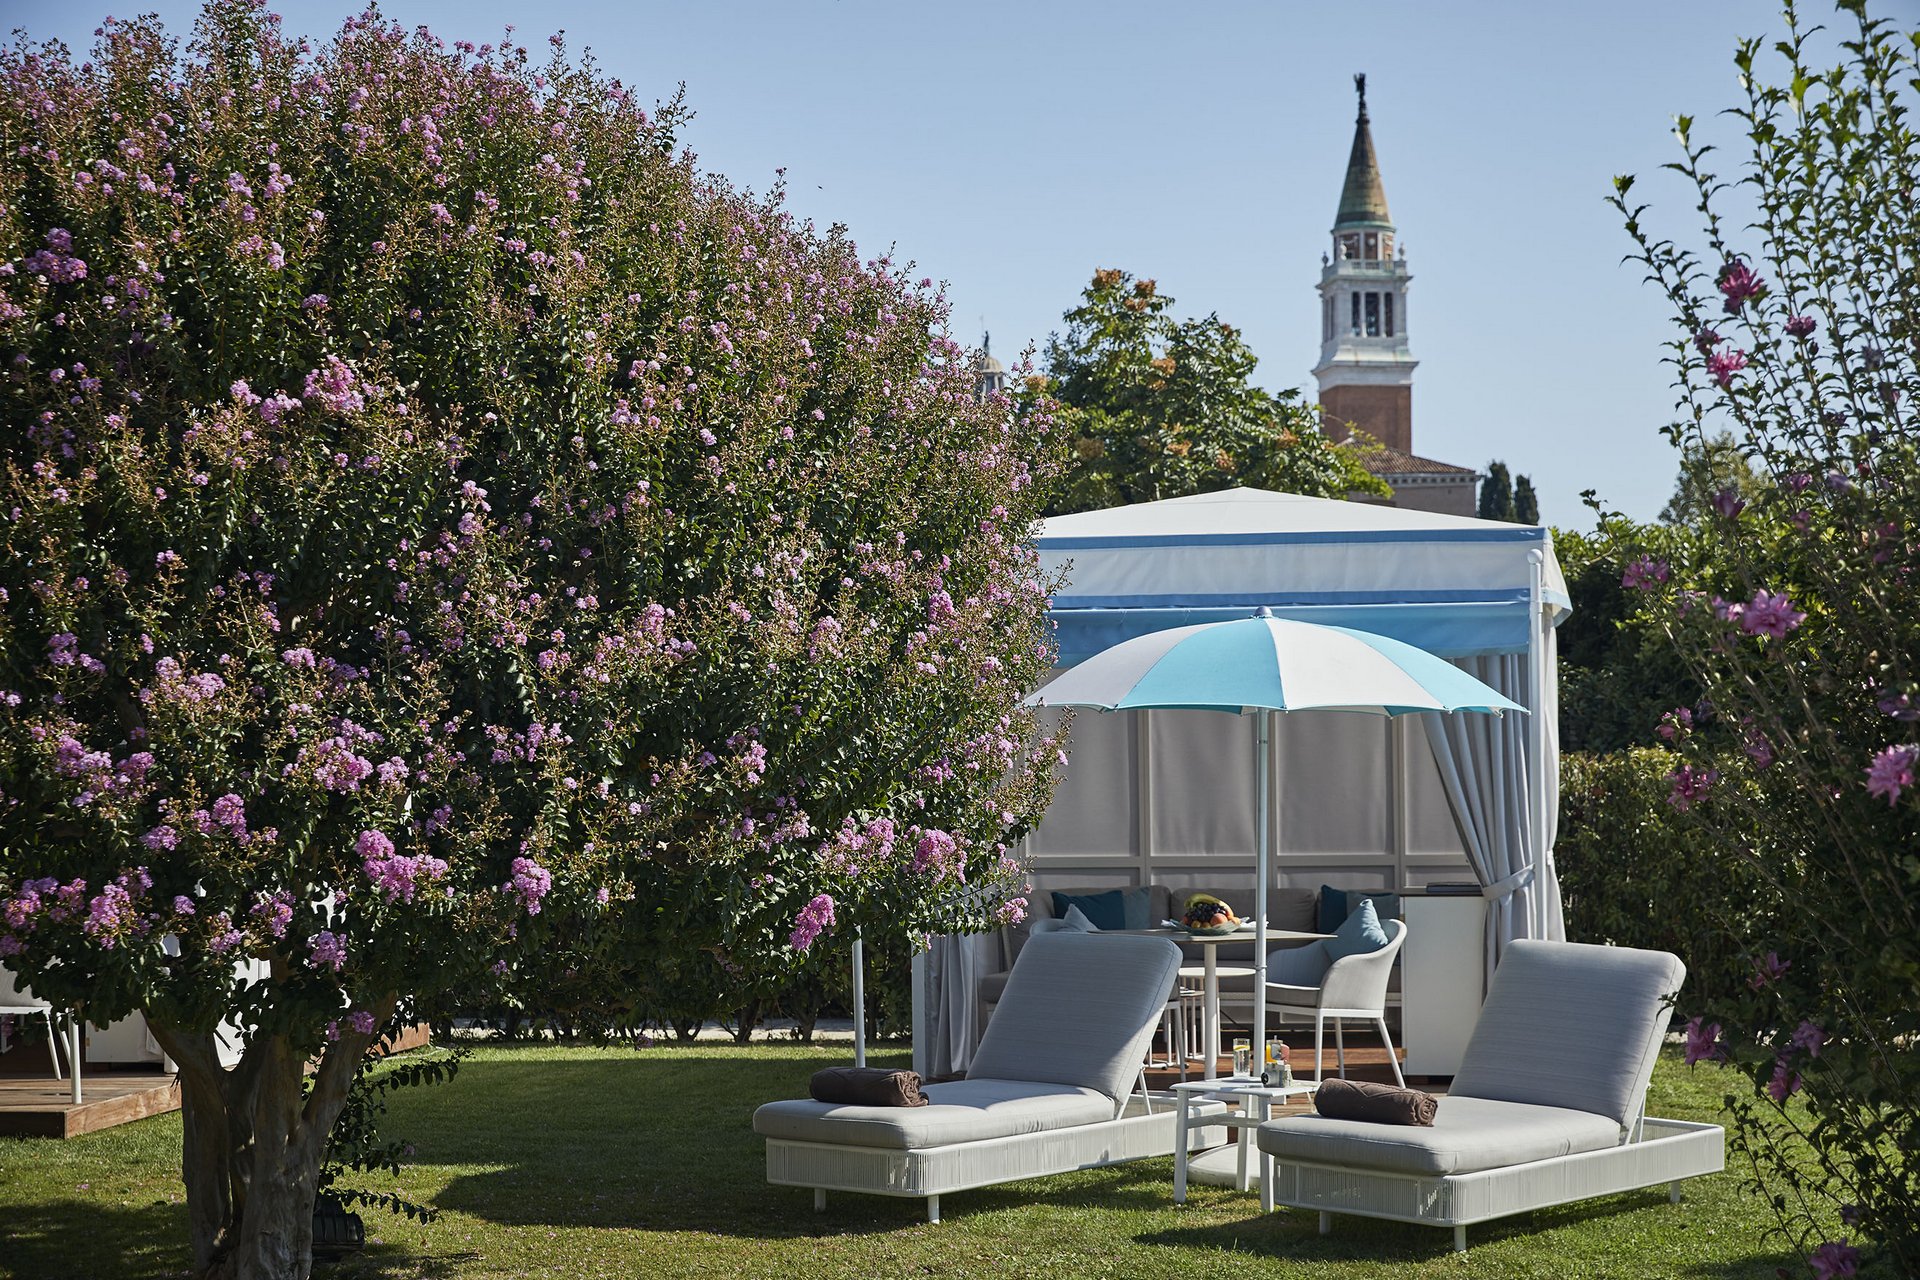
(1263, 664)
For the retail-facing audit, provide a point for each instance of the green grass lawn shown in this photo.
(610, 1162)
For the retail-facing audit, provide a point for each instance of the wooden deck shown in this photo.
(42, 1107)
(34, 1104)
(1366, 1060)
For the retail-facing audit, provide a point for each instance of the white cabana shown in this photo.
(1167, 795)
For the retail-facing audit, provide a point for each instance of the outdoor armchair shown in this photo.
(1306, 982)
(1548, 1106)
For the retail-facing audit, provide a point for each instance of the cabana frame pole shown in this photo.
(1536, 746)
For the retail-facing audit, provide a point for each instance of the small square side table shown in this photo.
(1253, 1097)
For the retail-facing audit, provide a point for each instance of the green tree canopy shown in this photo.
(1710, 467)
(1157, 407)
(1526, 503)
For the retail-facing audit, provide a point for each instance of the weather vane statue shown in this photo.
(1360, 84)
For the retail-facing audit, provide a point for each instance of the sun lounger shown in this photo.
(1548, 1107)
(1047, 1092)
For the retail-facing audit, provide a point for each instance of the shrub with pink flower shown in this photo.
(318, 487)
(1807, 842)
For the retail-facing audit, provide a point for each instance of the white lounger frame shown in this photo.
(931, 1172)
(1664, 1151)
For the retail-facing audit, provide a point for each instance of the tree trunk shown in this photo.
(254, 1139)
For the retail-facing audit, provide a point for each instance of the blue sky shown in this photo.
(1010, 149)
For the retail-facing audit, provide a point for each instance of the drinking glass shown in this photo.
(1242, 1057)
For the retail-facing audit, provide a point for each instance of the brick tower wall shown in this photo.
(1385, 413)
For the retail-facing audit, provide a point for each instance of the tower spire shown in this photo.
(1366, 369)
(1363, 200)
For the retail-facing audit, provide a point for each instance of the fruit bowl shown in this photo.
(1208, 917)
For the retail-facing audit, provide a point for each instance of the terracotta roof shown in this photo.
(1382, 461)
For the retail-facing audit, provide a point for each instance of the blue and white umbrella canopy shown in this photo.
(1265, 663)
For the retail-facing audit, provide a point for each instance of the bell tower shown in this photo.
(1366, 367)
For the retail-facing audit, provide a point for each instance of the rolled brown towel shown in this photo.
(1374, 1103)
(867, 1087)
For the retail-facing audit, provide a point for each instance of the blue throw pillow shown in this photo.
(1075, 921)
(1359, 935)
(1103, 910)
(1337, 904)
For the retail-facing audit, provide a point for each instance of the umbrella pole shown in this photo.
(1262, 873)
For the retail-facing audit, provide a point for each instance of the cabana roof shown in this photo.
(1451, 585)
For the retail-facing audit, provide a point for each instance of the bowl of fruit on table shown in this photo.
(1207, 916)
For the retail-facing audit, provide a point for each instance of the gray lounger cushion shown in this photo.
(961, 1111)
(1468, 1134)
(1567, 1024)
(1079, 1009)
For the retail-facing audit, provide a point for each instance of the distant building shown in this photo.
(1366, 365)
(989, 375)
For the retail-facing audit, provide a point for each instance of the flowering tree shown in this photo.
(438, 520)
(1161, 408)
(1792, 604)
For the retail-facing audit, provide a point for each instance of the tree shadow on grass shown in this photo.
(1293, 1235)
(84, 1240)
(394, 1262)
(665, 1143)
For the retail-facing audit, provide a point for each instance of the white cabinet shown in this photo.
(1442, 980)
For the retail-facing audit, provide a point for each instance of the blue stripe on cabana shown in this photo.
(1299, 537)
(1450, 630)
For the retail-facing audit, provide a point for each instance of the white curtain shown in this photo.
(952, 1016)
(1483, 767)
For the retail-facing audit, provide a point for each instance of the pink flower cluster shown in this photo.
(1644, 574)
(1768, 970)
(1703, 1042)
(397, 875)
(1891, 772)
(1770, 614)
(56, 263)
(336, 765)
(814, 919)
(937, 853)
(327, 950)
(1739, 284)
(858, 847)
(113, 914)
(1724, 364)
(1689, 785)
(335, 387)
(1834, 1260)
(531, 882)
(274, 911)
